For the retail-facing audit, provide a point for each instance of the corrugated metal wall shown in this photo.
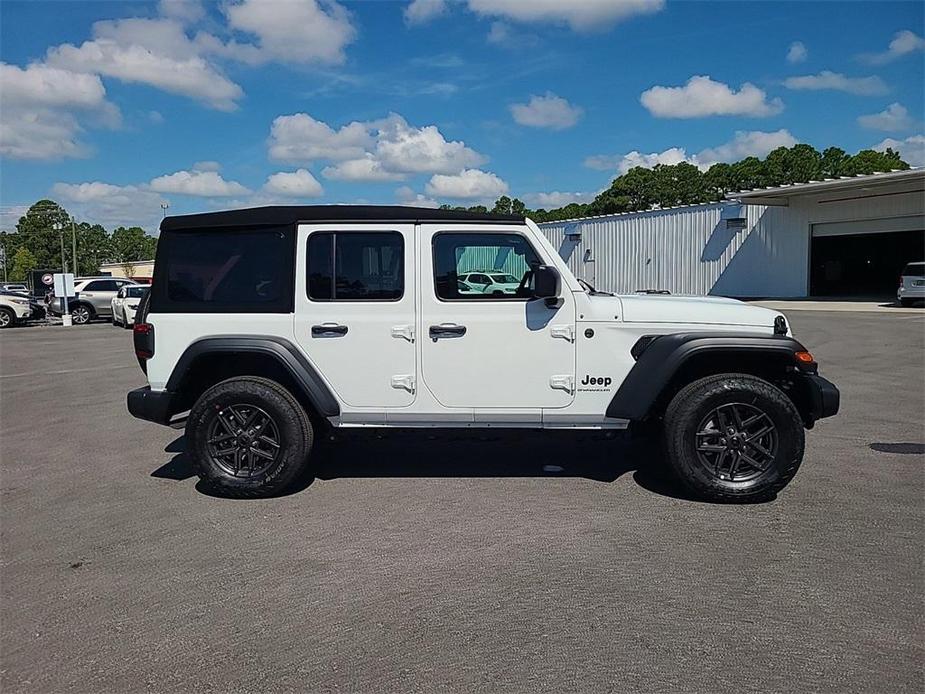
(690, 250)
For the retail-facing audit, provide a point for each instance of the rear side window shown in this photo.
(914, 270)
(101, 286)
(219, 271)
(356, 266)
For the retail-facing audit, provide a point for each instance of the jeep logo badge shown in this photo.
(596, 381)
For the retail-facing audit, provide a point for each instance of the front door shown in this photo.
(491, 350)
(355, 310)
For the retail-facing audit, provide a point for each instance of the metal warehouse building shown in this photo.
(840, 237)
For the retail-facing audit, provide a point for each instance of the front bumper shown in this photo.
(824, 397)
(150, 405)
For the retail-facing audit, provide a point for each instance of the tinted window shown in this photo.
(355, 266)
(101, 286)
(916, 269)
(458, 254)
(224, 271)
(135, 292)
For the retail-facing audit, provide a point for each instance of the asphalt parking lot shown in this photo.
(449, 563)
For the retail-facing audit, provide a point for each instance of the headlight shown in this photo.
(21, 302)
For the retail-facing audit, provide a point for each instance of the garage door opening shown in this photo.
(865, 264)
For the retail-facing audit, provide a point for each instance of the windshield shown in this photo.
(915, 269)
(509, 279)
(135, 292)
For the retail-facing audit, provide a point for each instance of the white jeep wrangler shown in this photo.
(268, 324)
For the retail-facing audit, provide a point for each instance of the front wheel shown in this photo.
(81, 314)
(7, 318)
(733, 437)
(248, 437)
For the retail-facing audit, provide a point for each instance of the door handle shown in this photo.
(446, 330)
(329, 330)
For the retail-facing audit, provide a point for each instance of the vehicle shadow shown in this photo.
(422, 454)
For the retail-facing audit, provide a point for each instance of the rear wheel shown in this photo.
(248, 437)
(733, 437)
(81, 314)
(7, 318)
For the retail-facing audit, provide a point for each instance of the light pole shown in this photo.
(59, 227)
(74, 247)
(164, 206)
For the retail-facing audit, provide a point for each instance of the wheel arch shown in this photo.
(214, 359)
(666, 363)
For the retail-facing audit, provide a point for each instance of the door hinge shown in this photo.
(403, 382)
(403, 331)
(564, 331)
(566, 383)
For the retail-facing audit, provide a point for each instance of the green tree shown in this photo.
(518, 207)
(834, 162)
(130, 244)
(502, 205)
(37, 232)
(93, 248)
(23, 262)
(868, 161)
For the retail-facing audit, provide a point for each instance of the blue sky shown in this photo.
(115, 107)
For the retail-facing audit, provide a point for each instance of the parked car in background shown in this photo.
(16, 287)
(14, 308)
(93, 298)
(125, 303)
(493, 282)
(911, 284)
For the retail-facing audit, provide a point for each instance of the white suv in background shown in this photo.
(14, 309)
(911, 284)
(125, 303)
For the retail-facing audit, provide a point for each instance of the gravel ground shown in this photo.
(422, 563)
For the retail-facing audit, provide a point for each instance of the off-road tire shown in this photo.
(291, 420)
(84, 312)
(696, 401)
(7, 317)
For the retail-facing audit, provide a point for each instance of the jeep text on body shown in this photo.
(268, 324)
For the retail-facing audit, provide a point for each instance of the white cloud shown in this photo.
(366, 169)
(423, 11)
(549, 111)
(863, 86)
(406, 196)
(298, 184)
(745, 144)
(385, 149)
(407, 149)
(112, 205)
(185, 10)
(702, 96)
(295, 31)
(911, 149)
(754, 143)
(301, 138)
(580, 15)
(155, 117)
(893, 119)
(42, 109)
(499, 33)
(797, 52)
(156, 52)
(903, 43)
(198, 183)
(469, 184)
(556, 199)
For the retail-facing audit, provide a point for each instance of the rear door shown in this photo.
(491, 351)
(354, 310)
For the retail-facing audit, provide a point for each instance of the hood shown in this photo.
(689, 310)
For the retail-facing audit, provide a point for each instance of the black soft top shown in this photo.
(287, 215)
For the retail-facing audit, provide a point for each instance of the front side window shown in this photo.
(101, 286)
(482, 265)
(356, 266)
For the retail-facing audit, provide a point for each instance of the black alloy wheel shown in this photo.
(243, 440)
(737, 441)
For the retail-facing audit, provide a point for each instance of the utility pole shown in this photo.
(74, 247)
(59, 227)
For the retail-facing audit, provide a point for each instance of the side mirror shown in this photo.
(546, 284)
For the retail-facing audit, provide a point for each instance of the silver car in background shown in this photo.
(911, 284)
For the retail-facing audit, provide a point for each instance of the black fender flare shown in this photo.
(277, 348)
(658, 359)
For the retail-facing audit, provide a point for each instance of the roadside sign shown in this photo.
(64, 284)
(48, 279)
